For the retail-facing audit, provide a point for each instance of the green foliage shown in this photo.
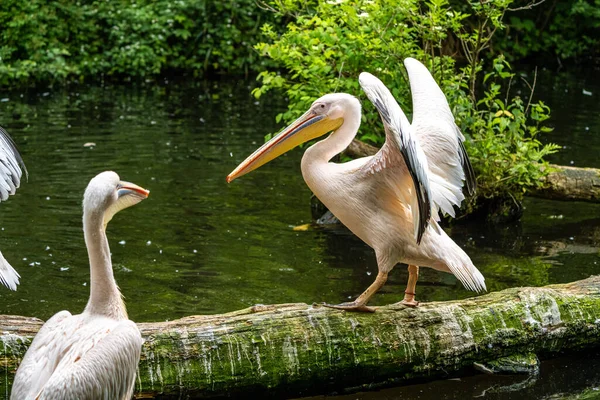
(504, 146)
(324, 49)
(47, 41)
(566, 29)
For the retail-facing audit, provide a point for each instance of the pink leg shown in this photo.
(360, 303)
(409, 293)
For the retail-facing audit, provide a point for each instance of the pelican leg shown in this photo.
(360, 303)
(409, 293)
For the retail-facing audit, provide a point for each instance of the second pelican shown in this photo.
(391, 200)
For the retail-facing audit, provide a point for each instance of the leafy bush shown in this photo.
(562, 30)
(503, 146)
(326, 47)
(47, 41)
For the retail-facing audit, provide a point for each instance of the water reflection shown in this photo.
(557, 380)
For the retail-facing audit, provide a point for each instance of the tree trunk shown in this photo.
(296, 349)
(566, 183)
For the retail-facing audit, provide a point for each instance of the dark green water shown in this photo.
(201, 246)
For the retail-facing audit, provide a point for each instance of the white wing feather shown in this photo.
(401, 146)
(8, 276)
(440, 139)
(10, 165)
(10, 179)
(80, 357)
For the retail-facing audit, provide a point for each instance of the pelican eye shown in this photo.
(320, 108)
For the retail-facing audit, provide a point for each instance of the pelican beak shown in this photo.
(128, 194)
(307, 127)
(128, 188)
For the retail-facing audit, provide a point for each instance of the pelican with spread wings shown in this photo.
(391, 200)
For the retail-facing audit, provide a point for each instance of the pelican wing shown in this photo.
(80, 357)
(8, 275)
(10, 166)
(41, 357)
(441, 140)
(10, 179)
(401, 146)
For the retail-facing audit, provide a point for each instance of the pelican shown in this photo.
(391, 200)
(10, 179)
(92, 355)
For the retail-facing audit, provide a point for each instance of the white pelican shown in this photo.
(92, 355)
(391, 200)
(10, 179)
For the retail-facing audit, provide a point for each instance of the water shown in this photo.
(198, 245)
(556, 380)
(573, 98)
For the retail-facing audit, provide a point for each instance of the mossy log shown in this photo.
(564, 183)
(296, 349)
(571, 183)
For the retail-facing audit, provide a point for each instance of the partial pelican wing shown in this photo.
(441, 140)
(8, 276)
(400, 146)
(80, 357)
(42, 357)
(100, 365)
(10, 166)
(10, 179)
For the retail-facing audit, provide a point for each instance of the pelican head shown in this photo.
(326, 114)
(106, 195)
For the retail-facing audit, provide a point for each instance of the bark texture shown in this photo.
(572, 183)
(565, 183)
(296, 349)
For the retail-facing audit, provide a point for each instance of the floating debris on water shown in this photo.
(302, 228)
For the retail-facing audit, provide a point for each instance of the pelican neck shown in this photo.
(105, 297)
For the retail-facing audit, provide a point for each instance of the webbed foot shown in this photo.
(409, 299)
(409, 303)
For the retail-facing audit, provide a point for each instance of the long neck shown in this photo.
(325, 150)
(105, 297)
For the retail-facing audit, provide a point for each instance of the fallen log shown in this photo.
(564, 183)
(571, 183)
(296, 349)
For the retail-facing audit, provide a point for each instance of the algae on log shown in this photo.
(301, 349)
(565, 183)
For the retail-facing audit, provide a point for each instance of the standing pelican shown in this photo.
(93, 355)
(10, 179)
(391, 200)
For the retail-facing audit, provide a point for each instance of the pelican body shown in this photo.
(391, 200)
(92, 355)
(10, 180)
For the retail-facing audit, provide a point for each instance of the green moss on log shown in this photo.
(297, 348)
